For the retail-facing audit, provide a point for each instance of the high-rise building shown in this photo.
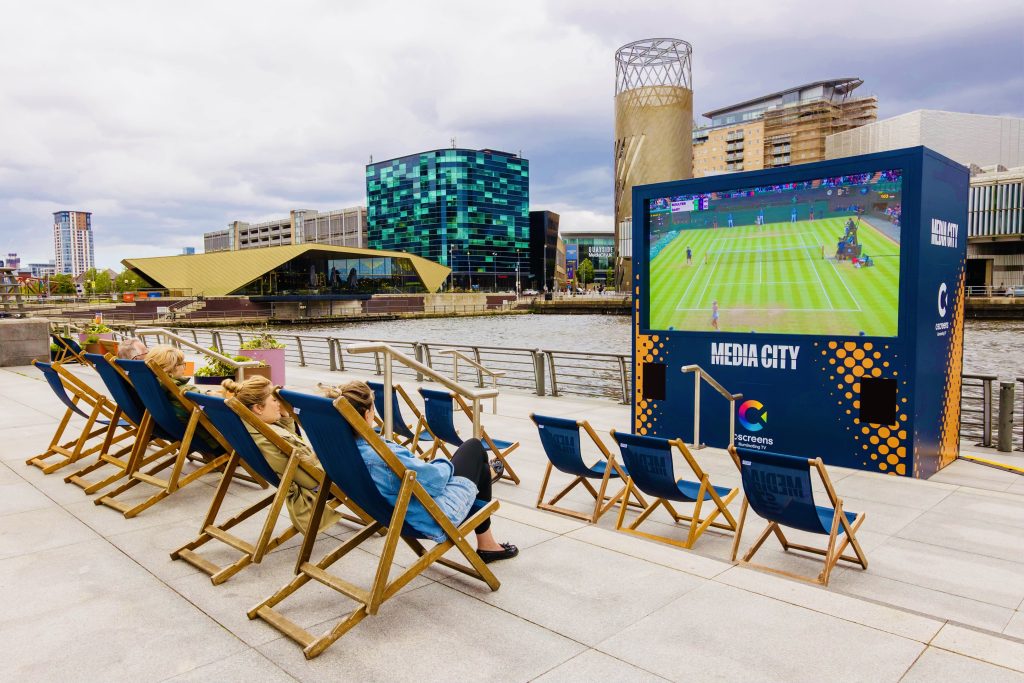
(188, 251)
(72, 242)
(40, 270)
(467, 209)
(543, 251)
(653, 122)
(12, 261)
(780, 129)
(338, 228)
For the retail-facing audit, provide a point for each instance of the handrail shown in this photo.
(700, 374)
(226, 360)
(495, 375)
(390, 353)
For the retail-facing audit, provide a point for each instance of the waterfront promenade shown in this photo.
(89, 595)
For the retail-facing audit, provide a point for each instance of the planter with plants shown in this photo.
(91, 344)
(267, 349)
(215, 372)
(54, 352)
(99, 330)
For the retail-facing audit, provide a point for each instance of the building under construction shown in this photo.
(780, 129)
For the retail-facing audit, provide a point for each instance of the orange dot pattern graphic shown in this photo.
(949, 432)
(844, 363)
(649, 347)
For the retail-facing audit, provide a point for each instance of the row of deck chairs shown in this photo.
(133, 435)
(778, 487)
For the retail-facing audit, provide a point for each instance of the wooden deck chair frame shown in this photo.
(370, 600)
(266, 541)
(697, 524)
(68, 352)
(175, 460)
(123, 457)
(108, 346)
(99, 408)
(419, 427)
(602, 501)
(492, 447)
(831, 554)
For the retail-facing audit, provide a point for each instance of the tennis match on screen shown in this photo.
(813, 257)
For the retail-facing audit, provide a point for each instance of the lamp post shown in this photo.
(494, 256)
(451, 284)
(517, 274)
(469, 267)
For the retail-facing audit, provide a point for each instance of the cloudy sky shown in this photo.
(170, 119)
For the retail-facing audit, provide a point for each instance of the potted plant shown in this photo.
(54, 352)
(267, 349)
(92, 344)
(100, 331)
(215, 371)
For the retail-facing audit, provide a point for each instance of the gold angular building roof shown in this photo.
(222, 272)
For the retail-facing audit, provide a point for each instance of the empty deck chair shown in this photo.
(149, 381)
(225, 417)
(561, 440)
(648, 460)
(101, 421)
(130, 410)
(439, 417)
(409, 436)
(778, 488)
(332, 428)
(69, 350)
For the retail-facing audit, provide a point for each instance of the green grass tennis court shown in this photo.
(772, 278)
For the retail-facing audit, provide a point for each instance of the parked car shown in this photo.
(530, 292)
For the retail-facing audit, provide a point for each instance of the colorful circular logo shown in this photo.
(752, 415)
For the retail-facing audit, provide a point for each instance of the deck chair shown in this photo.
(332, 428)
(108, 346)
(410, 437)
(226, 417)
(150, 381)
(69, 350)
(439, 418)
(778, 488)
(130, 410)
(101, 422)
(648, 460)
(561, 440)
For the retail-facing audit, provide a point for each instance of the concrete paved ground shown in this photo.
(89, 595)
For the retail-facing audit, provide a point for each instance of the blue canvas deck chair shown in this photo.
(229, 419)
(439, 417)
(153, 385)
(68, 350)
(129, 409)
(561, 439)
(332, 429)
(412, 437)
(778, 488)
(648, 460)
(102, 421)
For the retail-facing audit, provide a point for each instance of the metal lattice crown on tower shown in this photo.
(653, 62)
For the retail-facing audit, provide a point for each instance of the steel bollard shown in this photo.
(1005, 437)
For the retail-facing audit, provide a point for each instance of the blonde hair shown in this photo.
(252, 392)
(358, 394)
(167, 357)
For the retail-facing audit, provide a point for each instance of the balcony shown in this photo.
(733, 136)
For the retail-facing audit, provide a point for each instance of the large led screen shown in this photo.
(814, 257)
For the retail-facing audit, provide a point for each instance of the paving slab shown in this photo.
(248, 666)
(27, 532)
(22, 497)
(984, 646)
(940, 665)
(593, 665)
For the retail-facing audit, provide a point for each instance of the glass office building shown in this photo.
(467, 209)
(599, 247)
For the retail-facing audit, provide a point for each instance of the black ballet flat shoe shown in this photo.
(509, 551)
(498, 467)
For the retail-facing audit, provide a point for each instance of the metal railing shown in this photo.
(976, 414)
(179, 341)
(481, 370)
(1018, 427)
(700, 374)
(390, 355)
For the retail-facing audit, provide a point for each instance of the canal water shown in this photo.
(991, 346)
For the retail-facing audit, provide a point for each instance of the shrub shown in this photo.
(263, 341)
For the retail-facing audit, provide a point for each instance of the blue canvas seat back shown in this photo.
(153, 396)
(120, 390)
(560, 438)
(334, 442)
(53, 379)
(778, 488)
(398, 424)
(648, 460)
(234, 431)
(439, 410)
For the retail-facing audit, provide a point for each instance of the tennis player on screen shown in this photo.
(714, 314)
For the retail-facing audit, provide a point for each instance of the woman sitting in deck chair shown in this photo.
(257, 394)
(454, 483)
(172, 361)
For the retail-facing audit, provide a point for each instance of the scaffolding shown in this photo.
(795, 133)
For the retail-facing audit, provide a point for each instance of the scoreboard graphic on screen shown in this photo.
(829, 294)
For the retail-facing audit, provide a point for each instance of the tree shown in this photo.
(62, 283)
(127, 281)
(585, 272)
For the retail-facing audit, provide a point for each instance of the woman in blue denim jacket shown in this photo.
(453, 484)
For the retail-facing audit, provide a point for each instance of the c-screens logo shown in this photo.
(752, 415)
(943, 300)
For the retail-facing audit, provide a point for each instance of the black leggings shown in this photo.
(470, 461)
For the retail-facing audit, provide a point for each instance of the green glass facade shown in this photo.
(467, 209)
(599, 247)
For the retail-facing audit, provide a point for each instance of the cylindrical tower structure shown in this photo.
(653, 129)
